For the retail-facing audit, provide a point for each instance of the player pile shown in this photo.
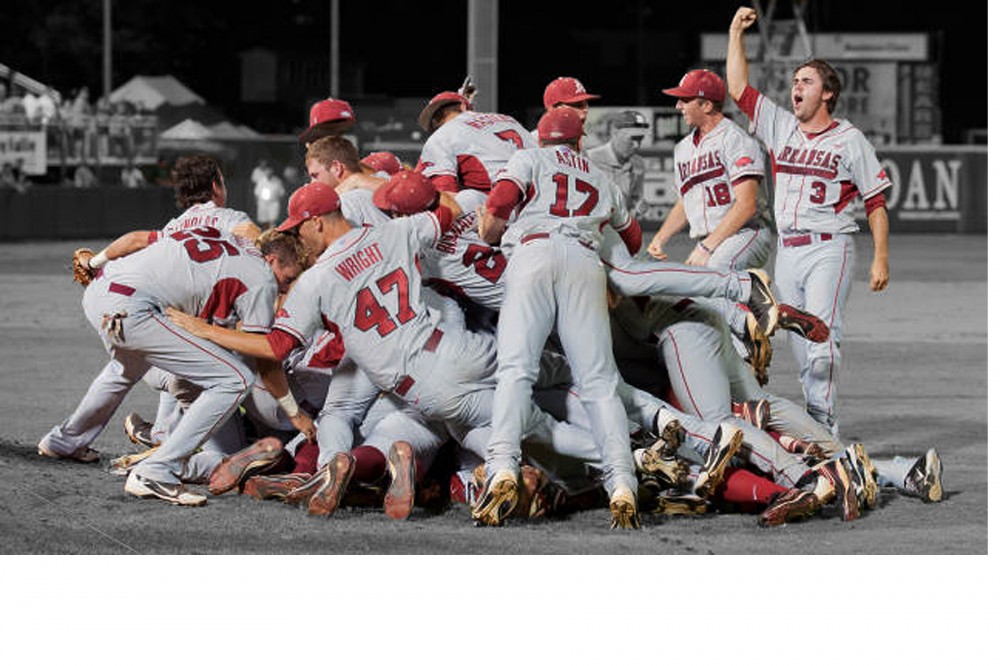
(395, 341)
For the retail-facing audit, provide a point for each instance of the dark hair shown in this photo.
(831, 81)
(442, 111)
(328, 149)
(193, 178)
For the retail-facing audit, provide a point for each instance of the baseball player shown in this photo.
(717, 170)
(619, 158)
(383, 164)
(198, 271)
(820, 165)
(333, 161)
(554, 277)
(466, 149)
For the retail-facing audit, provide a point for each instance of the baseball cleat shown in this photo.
(808, 450)
(835, 481)
(174, 493)
(624, 512)
(671, 470)
(793, 504)
(399, 497)
(258, 458)
(677, 504)
(803, 324)
(858, 457)
(275, 486)
(725, 444)
(755, 412)
(84, 454)
(762, 302)
(122, 465)
(759, 349)
(323, 492)
(536, 496)
(498, 501)
(139, 431)
(924, 478)
(670, 432)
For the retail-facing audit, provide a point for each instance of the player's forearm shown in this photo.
(737, 69)
(878, 222)
(250, 344)
(272, 375)
(126, 244)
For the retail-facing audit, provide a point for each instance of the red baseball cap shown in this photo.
(407, 192)
(309, 201)
(328, 117)
(560, 124)
(700, 83)
(383, 161)
(439, 100)
(566, 90)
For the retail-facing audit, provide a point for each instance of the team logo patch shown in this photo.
(744, 161)
(882, 175)
(281, 313)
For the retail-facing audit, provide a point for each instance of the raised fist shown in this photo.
(743, 19)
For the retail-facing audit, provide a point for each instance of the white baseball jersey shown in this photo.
(707, 170)
(564, 192)
(203, 272)
(472, 148)
(367, 285)
(816, 175)
(207, 214)
(359, 209)
(461, 263)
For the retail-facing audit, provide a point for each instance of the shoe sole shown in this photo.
(399, 497)
(802, 324)
(859, 458)
(326, 499)
(679, 506)
(136, 489)
(624, 515)
(936, 491)
(708, 481)
(234, 471)
(277, 490)
(796, 508)
(84, 454)
(497, 503)
(129, 432)
(772, 323)
(671, 475)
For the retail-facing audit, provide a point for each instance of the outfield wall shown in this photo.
(935, 189)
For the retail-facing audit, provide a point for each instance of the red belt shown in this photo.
(406, 383)
(122, 289)
(531, 237)
(805, 239)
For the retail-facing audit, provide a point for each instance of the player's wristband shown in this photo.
(705, 248)
(289, 404)
(98, 260)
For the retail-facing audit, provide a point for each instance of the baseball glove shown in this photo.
(82, 272)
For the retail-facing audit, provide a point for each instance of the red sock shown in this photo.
(306, 457)
(743, 487)
(369, 464)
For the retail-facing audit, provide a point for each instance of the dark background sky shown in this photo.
(627, 52)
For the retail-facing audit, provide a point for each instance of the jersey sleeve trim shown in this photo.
(748, 101)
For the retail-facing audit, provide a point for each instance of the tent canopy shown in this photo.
(152, 92)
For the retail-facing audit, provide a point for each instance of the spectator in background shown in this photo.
(293, 177)
(619, 158)
(84, 176)
(270, 192)
(132, 176)
(48, 105)
(10, 103)
(161, 174)
(12, 176)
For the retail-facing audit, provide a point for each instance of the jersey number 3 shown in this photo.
(369, 313)
(559, 208)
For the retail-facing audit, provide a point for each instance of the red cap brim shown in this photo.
(289, 224)
(329, 128)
